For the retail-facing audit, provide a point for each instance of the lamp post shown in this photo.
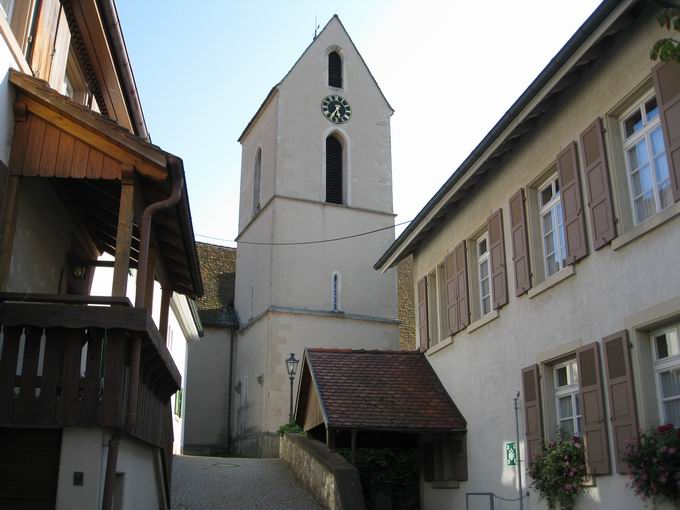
(291, 366)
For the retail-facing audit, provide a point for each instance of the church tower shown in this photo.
(316, 165)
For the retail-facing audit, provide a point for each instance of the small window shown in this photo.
(483, 274)
(257, 177)
(335, 292)
(334, 69)
(567, 401)
(645, 157)
(436, 305)
(178, 403)
(666, 350)
(552, 228)
(334, 170)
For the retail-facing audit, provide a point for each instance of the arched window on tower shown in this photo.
(336, 286)
(334, 170)
(257, 177)
(334, 69)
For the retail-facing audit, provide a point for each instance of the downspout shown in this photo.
(230, 386)
(175, 168)
(120, 55)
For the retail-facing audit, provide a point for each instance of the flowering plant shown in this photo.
(654, 464)
(559, 473)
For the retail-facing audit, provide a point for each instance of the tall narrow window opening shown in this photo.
(335, 292)
(334, 69)
(334, 167)
(552, 228)
(257, 176)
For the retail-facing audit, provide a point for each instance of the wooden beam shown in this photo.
(99, 140)
(124, 234)
(9, 224)
(166, 294)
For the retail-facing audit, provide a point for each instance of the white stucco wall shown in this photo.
(481, 369)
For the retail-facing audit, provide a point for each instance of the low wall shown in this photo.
(327, 475)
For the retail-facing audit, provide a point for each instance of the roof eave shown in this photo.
(589, 32)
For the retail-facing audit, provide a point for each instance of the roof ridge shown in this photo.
(361, 351)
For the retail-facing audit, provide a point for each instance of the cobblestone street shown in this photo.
(218, 483)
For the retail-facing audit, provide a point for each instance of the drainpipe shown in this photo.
(175, 167)
(230, 386)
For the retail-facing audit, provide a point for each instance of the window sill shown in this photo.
(551, 281)
(450, 484)
(439, 346)
(646, 226)
(493, 314)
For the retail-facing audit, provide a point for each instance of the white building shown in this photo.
(316, 165)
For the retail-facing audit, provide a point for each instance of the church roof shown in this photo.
(218, 268)
(377, 390)
(275, 88)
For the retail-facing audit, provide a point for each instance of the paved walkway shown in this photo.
(219, 483)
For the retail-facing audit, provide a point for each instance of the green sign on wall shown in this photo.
(511, 453)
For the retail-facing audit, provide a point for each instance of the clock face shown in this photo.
(336, 109)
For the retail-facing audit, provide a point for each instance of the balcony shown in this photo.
(65, 362)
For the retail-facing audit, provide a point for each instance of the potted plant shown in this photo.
(654, 465)
(559, 473)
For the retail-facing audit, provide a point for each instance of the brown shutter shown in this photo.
(667, 85)
(520, 243)
(592, 409)
(597, 181)
(422, 313)
(533, 413)
(499, 279)
(462, 286)
(460, 456)
(451, 293)
(572, 206)
(622, 408)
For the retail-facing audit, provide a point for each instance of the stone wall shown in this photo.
(328, 476)
(406, 312)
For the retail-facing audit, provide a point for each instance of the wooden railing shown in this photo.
(65, 363)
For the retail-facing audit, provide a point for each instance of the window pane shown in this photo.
(670, 383)
(661, 346)
(546, 195)
(657, 142)
(486, 305)
(574, 375)
(652, 109)
(578, 404)
(482, 247)
(567, 427)
(565, 408)
(483, 269)
(562, 377)
(638, 155)
(633, 123)
(671, 411)
(644, 206)
(551, 265)
(485, 287)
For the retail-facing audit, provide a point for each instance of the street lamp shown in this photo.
(291, 366)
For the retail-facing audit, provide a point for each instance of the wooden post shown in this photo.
(166, 294)
(9, 224)
(150, 279)
(330, 438)
(121, 265)
(354, 447)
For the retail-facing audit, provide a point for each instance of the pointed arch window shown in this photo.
(257, 177)
(334, 69)
(334, 170)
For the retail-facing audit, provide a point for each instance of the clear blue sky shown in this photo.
(203, 68)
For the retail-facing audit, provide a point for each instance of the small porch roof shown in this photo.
(88, 155)
(396, 391)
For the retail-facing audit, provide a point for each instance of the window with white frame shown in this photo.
(666, 352)
(552, 226)
(567, 402)
(483, 274)
(436, 304)
(645, 156)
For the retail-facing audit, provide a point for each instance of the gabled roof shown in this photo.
(582, 50)
(275, 88)
(218, 269)
(377, 390)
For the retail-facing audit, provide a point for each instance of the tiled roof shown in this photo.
(381, 390)
(218, 269)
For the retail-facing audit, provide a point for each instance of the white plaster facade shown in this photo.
(284, 297)
(631, 284)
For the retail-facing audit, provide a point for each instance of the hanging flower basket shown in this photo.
(559, 474)
(654, 465)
